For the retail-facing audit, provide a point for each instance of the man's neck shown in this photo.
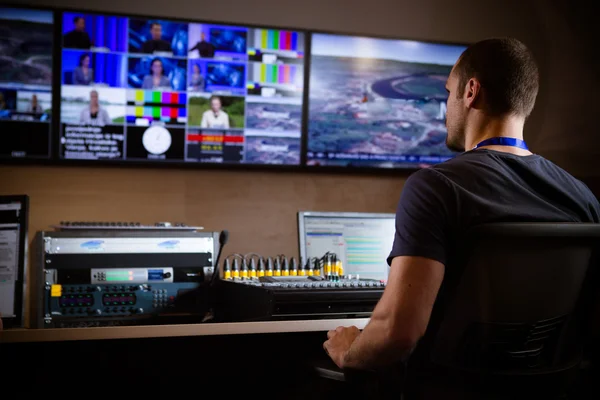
(486, 128)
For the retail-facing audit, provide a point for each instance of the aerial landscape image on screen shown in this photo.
(378, 102)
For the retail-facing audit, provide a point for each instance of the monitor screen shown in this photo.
(362, 241)
(13, 247)
(26, 49)
(378, 102)
(154, 90)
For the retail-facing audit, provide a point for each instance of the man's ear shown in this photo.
(472, 92)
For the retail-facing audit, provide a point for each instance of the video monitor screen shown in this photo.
(139, 89)
(378, 102)
(25, 82)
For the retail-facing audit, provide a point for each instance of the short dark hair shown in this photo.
(76, 19)
(507, 72)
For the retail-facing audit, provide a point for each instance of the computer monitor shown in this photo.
(378, 103)
(153, 90)
(362, 241)
(26, 50)
(13, 258)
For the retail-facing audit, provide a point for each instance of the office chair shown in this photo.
(510, 318)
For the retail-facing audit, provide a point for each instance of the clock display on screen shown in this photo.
(156, 140)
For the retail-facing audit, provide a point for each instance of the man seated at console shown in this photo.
(492, 90)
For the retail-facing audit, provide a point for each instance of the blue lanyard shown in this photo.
(503, 141)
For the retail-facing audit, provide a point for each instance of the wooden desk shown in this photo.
(158, 331)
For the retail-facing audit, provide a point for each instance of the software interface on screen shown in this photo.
(25, 82)
(159, 90)
(378, 102)
(11, 218)
(362, 243)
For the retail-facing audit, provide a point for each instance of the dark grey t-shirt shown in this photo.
(439, 204)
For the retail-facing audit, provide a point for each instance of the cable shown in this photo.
(223, 238)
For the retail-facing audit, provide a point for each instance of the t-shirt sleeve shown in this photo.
(423, 217)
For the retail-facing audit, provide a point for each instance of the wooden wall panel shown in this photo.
(258, 208)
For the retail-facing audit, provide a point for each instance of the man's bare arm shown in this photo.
(401, 317)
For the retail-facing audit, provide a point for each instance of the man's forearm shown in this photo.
(376, 346)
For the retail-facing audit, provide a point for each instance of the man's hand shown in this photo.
(338, 342)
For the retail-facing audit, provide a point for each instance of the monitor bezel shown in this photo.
(333, 214)
(21, 282)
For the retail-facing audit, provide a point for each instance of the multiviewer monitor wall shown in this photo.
(142, 89)
(145, 89)
(362, 241)
(13, 249)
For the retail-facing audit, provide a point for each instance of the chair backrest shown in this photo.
(518, 300)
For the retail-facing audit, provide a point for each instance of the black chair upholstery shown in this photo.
(511, 317)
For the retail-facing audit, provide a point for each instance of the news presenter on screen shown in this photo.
(34, 106)
(78, 38)
(156, 44)
(83, 75)
(157, 78)
(215, 117)
(94, 114)
(197, 82)
(492, 90)
(205, 49)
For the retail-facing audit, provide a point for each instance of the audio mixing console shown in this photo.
(255, 288)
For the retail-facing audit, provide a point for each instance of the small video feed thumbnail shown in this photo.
(276, 46)
(264, 148)
(8, 103)
(216, 112)
(221, 77)
(157, 73)
(275, 80)
(378, 102)
(90, 142)
(92, 123)
(93, 106)
(215, 145)
(102, 33)
(85, 68)
(33, 106)
(218, 42)
(147, 106)
(158, 37)
(24, 123)
(26, 48)
(155, 142)
(275, 114)
(25, 105)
